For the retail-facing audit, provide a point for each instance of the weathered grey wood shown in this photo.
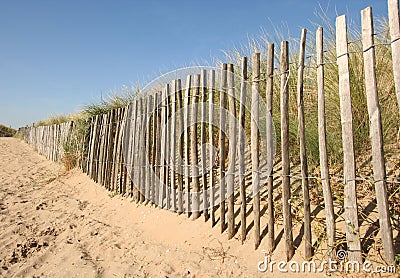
(90, 149)
(96, 148)
(211, 140)
(222, 139)
(394, 24)
(180, 127)
(130, 142)
(193, 148)
(187, 142)
(270, 146)
(255, 148)
(134, 149)
(230, 181)
(159, 163)
(323, 153)
(173, 144)
(164, 167)
(148, 155)
(203, 140)
(139, 149)
(154, 149)
(303, 149)
(108, 150)
(376, 135)
(122, 168)
(167, 148)
(284, 102)
(241, 151)
(350, 199)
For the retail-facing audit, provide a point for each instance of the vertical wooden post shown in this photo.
(222, 139)
(140, 143)
(167, 148)
(148, 157)
(255, 148)
(159, 163)
(180, 144)
(323, 153)
(270, 147)
(131, 148)
(211, 140)
(230, 181)
(286, 206)
(154, 163)
(187, 142)
(350, 199)
(163, 160)
(378, 157)
(134, 152)
(203, 139)
(194, 150)
(241, 152)
(303, 149)
(173, 143)
(394, 24)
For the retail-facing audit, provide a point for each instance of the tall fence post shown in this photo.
(323, 153)
(303, 149)
(255, 148)
(211, 140)
(241, 151)
(173, 144)
(270, 146)
(284, 102)
(378, 157)
(180, 145)
(230, 181)
(349, 165)
(187, 141)
(222, 139)
(203, 140)
(194, 149)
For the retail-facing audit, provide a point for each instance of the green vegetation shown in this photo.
(390, 115)
(7, 131)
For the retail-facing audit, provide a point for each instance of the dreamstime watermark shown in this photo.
(169, 121)
(330, 265)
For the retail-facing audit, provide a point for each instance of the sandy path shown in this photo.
(57, 224)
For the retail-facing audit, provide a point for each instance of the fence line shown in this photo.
(150, 149)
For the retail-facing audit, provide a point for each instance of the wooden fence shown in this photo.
(157, 149)
(49, 141)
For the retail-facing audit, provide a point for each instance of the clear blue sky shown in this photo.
(59, 55)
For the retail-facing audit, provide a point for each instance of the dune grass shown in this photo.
(6, 131)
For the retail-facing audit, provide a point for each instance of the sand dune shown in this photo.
(61, 224)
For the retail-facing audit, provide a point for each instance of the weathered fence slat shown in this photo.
(222, 139)
(270, 147)
(163, 163)
(323, 153)
(255, 148)
(211, 140)
(241, 151)
(349, 165)
(376, 135)
(203, 140)
(187, 141)
(230, 181)
(180, 127)
(284, 102)
(303, 149)
(173, 144)
(193, 148)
